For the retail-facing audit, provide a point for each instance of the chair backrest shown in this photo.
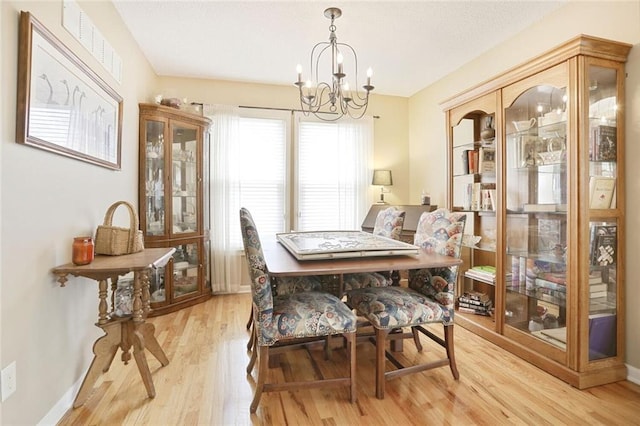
(439, 232)
(260, 281)
(389, 223)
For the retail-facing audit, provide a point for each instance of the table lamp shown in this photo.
(382, 178)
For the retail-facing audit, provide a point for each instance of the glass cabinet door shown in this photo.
(603, 226)
(184, 191)
(186, 269)
(536, 210)
(154, 137)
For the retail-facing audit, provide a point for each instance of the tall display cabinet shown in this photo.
(536, 161)
(173, 203)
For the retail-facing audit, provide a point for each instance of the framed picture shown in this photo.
(63, 106)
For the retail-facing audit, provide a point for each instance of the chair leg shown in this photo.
(416, 338)
(263, 363)
(250, 321)
(448, 339)
(381, 338)
(252, 361)
(350, 339)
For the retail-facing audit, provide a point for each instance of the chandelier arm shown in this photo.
(325, 45)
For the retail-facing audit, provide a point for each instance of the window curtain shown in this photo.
(334, 168)
(227, 268)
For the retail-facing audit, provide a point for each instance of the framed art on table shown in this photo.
(64, 106)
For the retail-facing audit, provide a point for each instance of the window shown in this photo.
(263, 171)
(318, 179)
(333, 174)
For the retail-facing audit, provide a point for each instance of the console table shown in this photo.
(120, 332)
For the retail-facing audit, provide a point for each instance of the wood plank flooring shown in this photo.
(206, 384)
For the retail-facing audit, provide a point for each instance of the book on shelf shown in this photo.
(476, 295)
(542, 283)
(472, 160)
(603, 243)
(602, 335)
(604, 253)
(597, 294)
(478, 195)
(475, 302)
(555, 277)
(601, 189)
(595, 288)
(595, 277)
(473, 311)
(486, 160)
(469, 303)
(484, 273)
(603, 143)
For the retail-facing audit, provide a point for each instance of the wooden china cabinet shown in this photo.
(536, 159)
(173, 203)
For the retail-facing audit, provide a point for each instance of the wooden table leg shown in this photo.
(151, 343)
(104, 350)
(137, 341)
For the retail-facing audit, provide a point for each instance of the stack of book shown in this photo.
(475, 303)
(549, 290)
(484, 273)
(597, 288)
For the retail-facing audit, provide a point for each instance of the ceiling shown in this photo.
(409, 45)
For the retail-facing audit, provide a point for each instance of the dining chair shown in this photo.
(292, 318)
(285, 285)
(389, 223)
(429, 298)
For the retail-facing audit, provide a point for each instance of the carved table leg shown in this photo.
(138, 344)
(104, 350)
(151, 343)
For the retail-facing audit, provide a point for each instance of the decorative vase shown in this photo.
(488, 133)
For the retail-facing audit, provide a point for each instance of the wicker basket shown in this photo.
(115, 241)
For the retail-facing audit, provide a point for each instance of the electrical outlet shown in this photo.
(8, 381)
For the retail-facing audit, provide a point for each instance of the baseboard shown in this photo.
(63, 405)
(633, 374)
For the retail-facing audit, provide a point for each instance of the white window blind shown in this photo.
(263, 171)
(333, 169)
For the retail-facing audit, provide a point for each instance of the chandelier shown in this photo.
(333, 99)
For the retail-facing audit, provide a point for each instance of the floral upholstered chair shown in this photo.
(287, 318)
(389, 223)
(429, 298)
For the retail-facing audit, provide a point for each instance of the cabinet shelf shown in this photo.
(538, 295)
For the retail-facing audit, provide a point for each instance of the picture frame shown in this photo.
(62, 105)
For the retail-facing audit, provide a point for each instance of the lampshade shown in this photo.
(382, 177)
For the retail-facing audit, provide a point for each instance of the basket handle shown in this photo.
(133, 219)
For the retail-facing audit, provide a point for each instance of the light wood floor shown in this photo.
(206, 384)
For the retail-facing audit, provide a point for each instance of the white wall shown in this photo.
(46, 200)
(618, 20)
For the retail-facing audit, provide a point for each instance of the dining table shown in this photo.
(282, 263)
